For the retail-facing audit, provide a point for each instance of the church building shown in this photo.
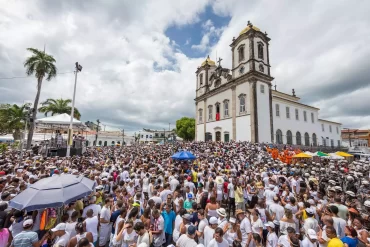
(241, 104)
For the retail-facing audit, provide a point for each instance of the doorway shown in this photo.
(218, 136)
(226, 137)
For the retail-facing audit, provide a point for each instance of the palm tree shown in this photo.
(41, 65)
(58, 106)
(12, 119)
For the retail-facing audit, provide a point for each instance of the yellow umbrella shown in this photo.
(302, 155)
(344, 154)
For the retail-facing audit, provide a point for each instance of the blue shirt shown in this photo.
(169, 218)
(113, 218)
(25, 239)
(352, 242)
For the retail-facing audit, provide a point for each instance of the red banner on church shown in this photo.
(217, 116)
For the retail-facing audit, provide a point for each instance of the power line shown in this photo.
(18, 77)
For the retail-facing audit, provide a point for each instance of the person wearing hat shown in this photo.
(188, 203)
(60, 235)
(209, 230)
(232, 231)
(28, 237)
(271, 239)
(245, 227)
(310, 240)
(221, 212)
(187, 240)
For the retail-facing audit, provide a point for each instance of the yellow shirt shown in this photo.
(195, 176)
(335, 242)
(239, 195)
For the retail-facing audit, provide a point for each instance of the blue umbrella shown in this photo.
(183, 155)
(54, 191)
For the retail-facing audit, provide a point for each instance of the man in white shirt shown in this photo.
(105, 225)
(284, 240)
(231, 195)
(210, 230)
(310, 240)
(271, 239)
(124, 175)
(339, 223)
(269, 195)
(62, 237)
(187, 240)
(276, 211)
(164, 193)
(174, 183)
(245, 227)
(218, 240)
(157, 226)
(91, 224)
(156, 198)
(95, 208)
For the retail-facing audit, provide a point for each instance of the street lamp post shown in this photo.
(70, 130)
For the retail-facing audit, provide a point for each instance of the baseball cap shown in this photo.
(312, 234)
(187, 216)
(190, 196)
(59, 227)
(309, 211)
(213, 220)
(191, 230)
(270, 224)
(27, 223)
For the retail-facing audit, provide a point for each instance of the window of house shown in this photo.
(260, 50)
(312, 117)
(241, 53)
(277, 110)
(296, 114)
(201, 80)
(226, 108)
(287, 112)
(322, 127)
(337, 130)
(156, 135)
(332, 143)
(305, 116)
(338, 143)
(262, 88)
(298, 138)
(142, 136)
(330, 128)
(210, 112)
(200, 115)
(242, 103)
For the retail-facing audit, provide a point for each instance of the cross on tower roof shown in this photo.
(219, 61)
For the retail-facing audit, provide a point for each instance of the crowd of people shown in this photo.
(234, 194)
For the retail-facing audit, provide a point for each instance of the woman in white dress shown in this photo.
(256, 223)
(127, 235)
(232, 231)
(178, 221)
(118, 227)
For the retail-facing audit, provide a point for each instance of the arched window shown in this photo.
(113, 143)
(241, 53)
(218, 83)
(105, 143)
(100, 142)
(201, 80)
(306, 139)
(314, 140)
(298, 138)
(208, 136)
(279, 137)
(260, 50)
(242, 106)
(289, 137)
(261, 68)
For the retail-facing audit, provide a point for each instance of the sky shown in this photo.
(139, 57)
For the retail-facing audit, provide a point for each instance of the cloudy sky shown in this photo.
(139, 57)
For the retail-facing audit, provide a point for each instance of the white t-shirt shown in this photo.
(62, 241)
(279, 212)
(70, 228)
(307, 243)
(143, 239)
(159, 239)
(272, 240)
(339, 225)
(96, 209)
(283, 241)
(174, 183)
(105, 214)
(202, 224)
(231, 190)
(185, 241)
(145, 184)
(214, 243)
(208, 235)
(245, 228)
(92, 226)
(164, 194)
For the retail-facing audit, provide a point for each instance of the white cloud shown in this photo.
(210, 33)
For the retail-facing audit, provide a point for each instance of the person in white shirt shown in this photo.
(310, 240)
(285, 240)
(157, 228)
(62, 237)
(339, 223)
(174, 183)
(276, 211)
(269, 195)
(105, 225)
(203, 222)
(271, 239)
(156, 198)
(210, 230)
(165, 192)
(187, 240)
(245, 227)
(91, 225)
(218, 240)
(95, 208)
(231, 195)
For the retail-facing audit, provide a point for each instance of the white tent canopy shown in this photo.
(59, 121)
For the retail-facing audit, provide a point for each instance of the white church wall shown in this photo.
(238, 64)
(220, 97)
(263, 109)
(222, 125)
(243, 128)
(200, 132)
(284, 124)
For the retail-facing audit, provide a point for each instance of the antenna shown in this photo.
(44, 47)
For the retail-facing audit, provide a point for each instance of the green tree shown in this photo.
(12, 120)
(58, 106)
(185, 128)
(42, 65)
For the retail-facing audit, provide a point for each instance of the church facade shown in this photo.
(241, 104)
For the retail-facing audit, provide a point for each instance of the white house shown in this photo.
(240, 103)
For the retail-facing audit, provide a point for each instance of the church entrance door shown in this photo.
(218, 136)
(227, 137)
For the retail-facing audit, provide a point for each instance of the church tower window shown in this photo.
(260, 50)
(241, 53)
(241, 70)
(200, 115)
(261, 68)
(201, 80)
(226, 108)
(242, 103)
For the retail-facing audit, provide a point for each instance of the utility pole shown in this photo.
(28, 113)
(164, 135)
(123, 137)
(70, 130)
(97, 131)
